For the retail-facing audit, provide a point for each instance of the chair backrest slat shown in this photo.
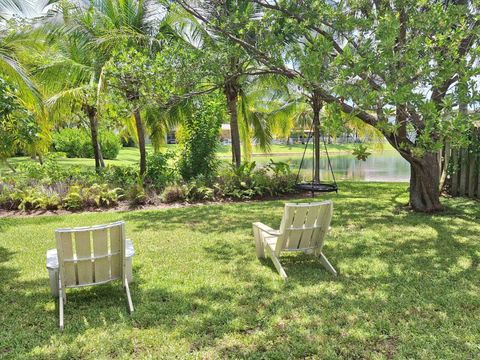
(298, 221)
(65, 251)
(310, 223)
(116, 239)
(90, 255)
(84, 253)
(100, 248)
(304, 226)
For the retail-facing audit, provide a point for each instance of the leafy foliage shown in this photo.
(19, 129)
(159, 171)
(200, 139)
(76, 143)
(248, 181)
(361, 152)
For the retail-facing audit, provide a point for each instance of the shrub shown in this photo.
(30, 199)
(174, 193)
(121, 176)
(110, 145)
(247, 181)
(49, 174)
(136, 195)
(197, 190)
(100, 195)
(159, 173)
(71, 141)
(199, 139)
(76, 143)
(73, 200)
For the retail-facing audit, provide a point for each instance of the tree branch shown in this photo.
(261, 57)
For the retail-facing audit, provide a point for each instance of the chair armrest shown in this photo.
(129, 250)
(52, 259)
(266, 228)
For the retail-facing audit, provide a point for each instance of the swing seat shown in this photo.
(317, 187)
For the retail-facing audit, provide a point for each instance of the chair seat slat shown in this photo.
(90, 258)
(94, 283)
(303, 228)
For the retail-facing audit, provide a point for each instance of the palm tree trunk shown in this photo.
(141, 141)
(231, 93)
(97, 150)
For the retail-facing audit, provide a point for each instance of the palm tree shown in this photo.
(71, 77)
(115, 25)
(15, 45)
(233, 71)
(26, 9)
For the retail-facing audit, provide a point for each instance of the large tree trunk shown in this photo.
(231, 93)
(141, 141)
(97, 151)
(424, 183)
(424, 178)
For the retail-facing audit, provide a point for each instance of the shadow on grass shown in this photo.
(400, 272)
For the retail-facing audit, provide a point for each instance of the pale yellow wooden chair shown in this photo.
(303, 228)
(90, 256)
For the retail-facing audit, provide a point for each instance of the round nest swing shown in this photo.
(316, 186)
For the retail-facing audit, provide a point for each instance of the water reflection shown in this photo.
(386, 166)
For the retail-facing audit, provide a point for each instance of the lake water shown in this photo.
(385, 166)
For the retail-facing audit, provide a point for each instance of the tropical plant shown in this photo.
(232, 70)
(76, 143)
(361, 152)
(20, 129)
(199, 139)
(18, 9)
(71, 73)
(159, 171)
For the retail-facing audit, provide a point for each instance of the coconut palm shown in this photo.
(232, 70)
(25, 9)
(13, 44)
(114, 25)
(71, 78)
(16, 42)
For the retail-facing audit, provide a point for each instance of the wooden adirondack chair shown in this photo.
(303, 228)
(92, 256)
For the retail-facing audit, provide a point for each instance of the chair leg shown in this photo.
(278, 266)
(327, 264)
(129, 297)
(258, 242)
(60, 307)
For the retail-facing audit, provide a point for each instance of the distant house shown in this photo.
(225, 134)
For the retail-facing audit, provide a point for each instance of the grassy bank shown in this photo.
(130, 155)
(409, 286)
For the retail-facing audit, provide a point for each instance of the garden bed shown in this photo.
(127, 206)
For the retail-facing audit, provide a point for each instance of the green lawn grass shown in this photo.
(409, 286)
